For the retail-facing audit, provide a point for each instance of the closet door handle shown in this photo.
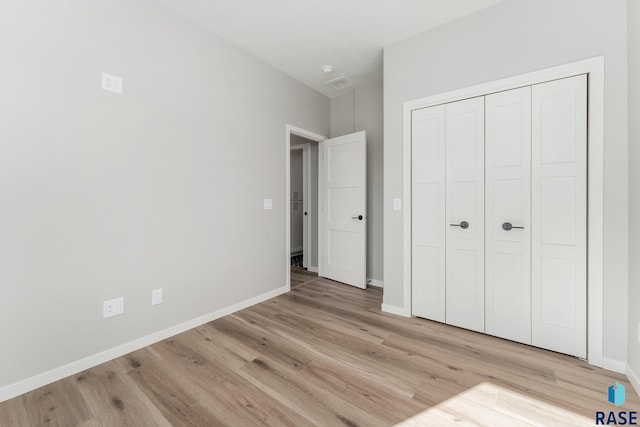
(507, 226)
(463, 224)
(357, 217)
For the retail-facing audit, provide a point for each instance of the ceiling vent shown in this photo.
(339, 83)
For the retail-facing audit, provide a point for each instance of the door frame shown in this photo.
(289, 130)
(594, 68)
(306, 193)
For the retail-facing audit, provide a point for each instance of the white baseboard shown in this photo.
(376, 283)
(12, 390)
(614, 365)
(312, 269)
(394, 309)
(633, 379)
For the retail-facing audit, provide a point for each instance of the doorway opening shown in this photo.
(299, 201)
(302, 151)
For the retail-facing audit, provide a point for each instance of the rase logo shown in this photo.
(615, 396)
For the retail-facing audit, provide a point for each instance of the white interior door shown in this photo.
(465, 214)
(508, 214)
(559, 217)
(343, 214)
(428, 213)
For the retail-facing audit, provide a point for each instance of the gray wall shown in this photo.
(634, 185)
(343, 120)
(353, 112)
(105, 195)
(515, 37)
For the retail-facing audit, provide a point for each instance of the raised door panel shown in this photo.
(559, 215)
(428, 213)
(343, 240)
(465, 202)
(508, 200)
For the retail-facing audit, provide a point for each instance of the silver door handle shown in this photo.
(508, 226)
(463, 224)
(357, 217)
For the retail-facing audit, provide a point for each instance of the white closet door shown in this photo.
(465, 214)
(559, 216)
(508, 207)
(428, 213)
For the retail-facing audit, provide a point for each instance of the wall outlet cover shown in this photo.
(268, 203)
(113, 307)
(112, 83)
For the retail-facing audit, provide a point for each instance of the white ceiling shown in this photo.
(300, 36)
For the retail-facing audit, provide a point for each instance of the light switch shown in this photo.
(156, 296)
(268, 203)
(112, 83)
(397, 204)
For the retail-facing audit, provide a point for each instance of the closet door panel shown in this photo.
(428, 213)
(508, 200)
(559, 216)
(465, 214)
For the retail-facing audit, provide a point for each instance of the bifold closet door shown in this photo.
(465, 213)
(428, 213)
(508, 214)
(559, 216)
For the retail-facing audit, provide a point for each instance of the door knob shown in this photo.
(357, 217)
(305, 213)
(507, 226)
(463, 224)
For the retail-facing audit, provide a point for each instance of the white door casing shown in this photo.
(559, 217)
(508, 201)
(428, 218)
(465, 204)
(343, 186)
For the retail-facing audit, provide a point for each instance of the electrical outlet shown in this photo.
(268, 204)
(156, 296)
(112, 83)
(113, 307)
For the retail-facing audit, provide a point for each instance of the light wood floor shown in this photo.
(324, 354)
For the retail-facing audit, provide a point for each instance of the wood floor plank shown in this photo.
(371, 397)
(316, 404)
(324, 354)
(57, 404)
(14, 413)
(173, 398)
(347, 324)
(300, 277)
(359, 355)
(228, 393)
(138, 358)
(273, 347)
(115, 399)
